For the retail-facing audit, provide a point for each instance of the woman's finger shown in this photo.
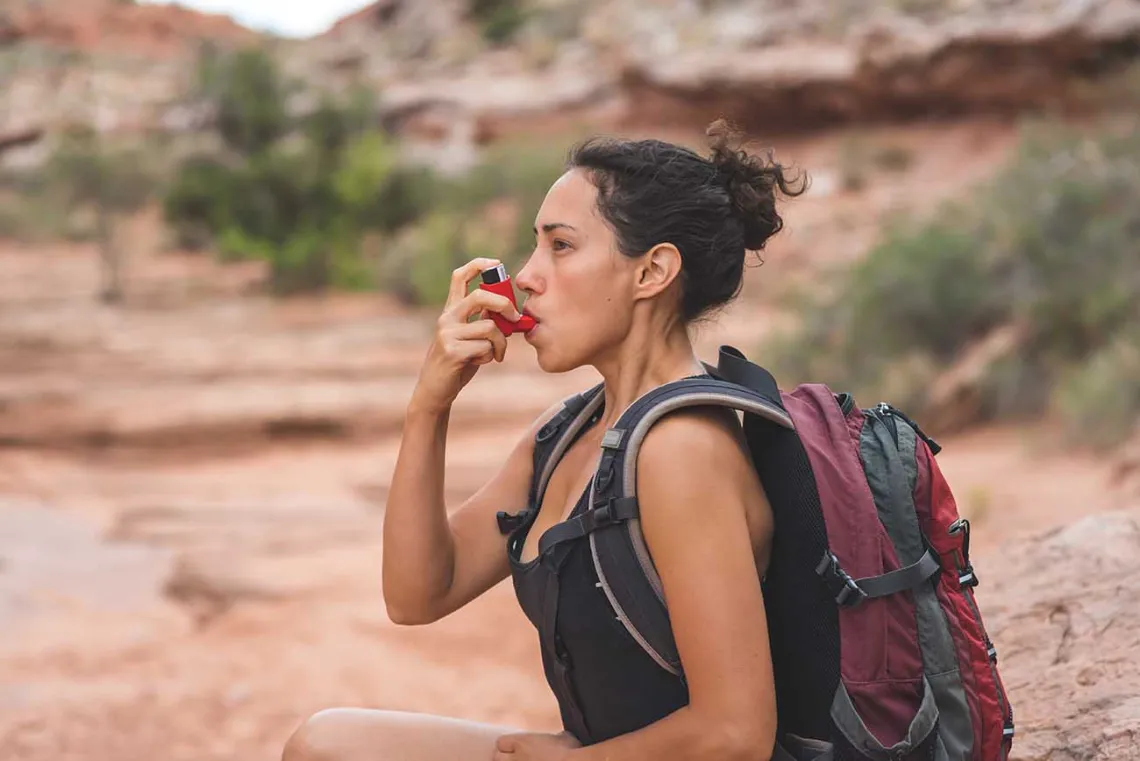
(485, 329)
(480, 300)
(463, 350)
(463, 275)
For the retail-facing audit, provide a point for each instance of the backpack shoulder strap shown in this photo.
(734, 367)
(621, 558)
(556, 435)
(550, 443)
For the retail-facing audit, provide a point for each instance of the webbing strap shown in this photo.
(903, 578)
(850, 592)
(613, 511)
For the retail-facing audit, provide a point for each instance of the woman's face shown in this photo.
(579, 286)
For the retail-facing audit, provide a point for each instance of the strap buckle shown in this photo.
(603, 515)
(610, 512)
(850, 594)
(509, 522)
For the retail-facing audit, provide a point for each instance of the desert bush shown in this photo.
(305, 195)
(518, 175)
(89, 173)
(249, 96)
(301, 192)
(200, 199)
(1099, 400)
(499, 20)
(31, 211)
(1049, 245)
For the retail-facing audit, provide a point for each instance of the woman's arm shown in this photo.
(434, 564)
(699, 495)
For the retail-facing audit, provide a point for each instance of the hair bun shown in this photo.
(751, 182)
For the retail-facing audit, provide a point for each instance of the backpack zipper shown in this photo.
(966, 572)
(888, 411)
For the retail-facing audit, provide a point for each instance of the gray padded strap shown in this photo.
(845, 716)
(794, 748)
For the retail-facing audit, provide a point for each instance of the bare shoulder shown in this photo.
(696, 459)
(692, 436)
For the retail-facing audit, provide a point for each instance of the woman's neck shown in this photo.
(642, 363)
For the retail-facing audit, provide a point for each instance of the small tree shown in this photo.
(110, 182)
(249, 96)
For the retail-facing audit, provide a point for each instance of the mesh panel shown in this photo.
(804, 620)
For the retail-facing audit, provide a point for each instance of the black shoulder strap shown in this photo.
(734, 367)
(556, 436)
(550, 443)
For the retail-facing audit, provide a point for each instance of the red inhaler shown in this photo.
(496, 280)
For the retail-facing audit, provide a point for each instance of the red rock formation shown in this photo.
(106, 25)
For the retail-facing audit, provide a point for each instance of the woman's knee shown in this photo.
(322, 737)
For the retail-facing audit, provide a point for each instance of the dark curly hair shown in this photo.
(712, 209)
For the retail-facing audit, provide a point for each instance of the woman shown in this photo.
(636, 242)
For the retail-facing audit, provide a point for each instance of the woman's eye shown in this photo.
(559, 245)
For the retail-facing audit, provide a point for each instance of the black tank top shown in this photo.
(606, 685)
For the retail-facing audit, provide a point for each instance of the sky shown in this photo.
(290, 18)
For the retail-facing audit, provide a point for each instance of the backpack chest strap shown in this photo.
(613, 511)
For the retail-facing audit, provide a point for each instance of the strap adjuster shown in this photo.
(604, 515)
(612, 438)
(508, 522)
(610, 512)
(849, 594)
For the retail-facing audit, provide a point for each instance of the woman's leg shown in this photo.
(357, 734)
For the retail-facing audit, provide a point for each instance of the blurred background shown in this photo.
(226, 229)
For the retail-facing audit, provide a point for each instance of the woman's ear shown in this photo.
(660, 266)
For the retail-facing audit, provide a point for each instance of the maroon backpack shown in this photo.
(877, 642)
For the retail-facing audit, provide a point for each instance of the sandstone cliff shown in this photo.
(769, 65)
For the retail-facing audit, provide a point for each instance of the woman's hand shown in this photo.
(460, 346)
(534, 746)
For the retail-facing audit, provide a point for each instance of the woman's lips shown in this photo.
(527, 334)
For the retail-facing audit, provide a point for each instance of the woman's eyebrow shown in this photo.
(551, 226)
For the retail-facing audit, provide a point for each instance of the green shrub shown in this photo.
(377, 191)
(1048, 246)
(200, 199)
(306, 196)
(499, 20)
(438, 249)
(249, 96)
(518, 174)
(36, 217)
(1099, 400)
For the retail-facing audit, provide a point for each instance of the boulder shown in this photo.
(1064, 612)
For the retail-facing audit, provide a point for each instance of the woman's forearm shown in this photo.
(682, 734)
(418, 554)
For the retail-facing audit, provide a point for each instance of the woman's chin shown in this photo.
(542, 353)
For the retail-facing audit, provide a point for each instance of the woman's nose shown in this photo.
(526, 279)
